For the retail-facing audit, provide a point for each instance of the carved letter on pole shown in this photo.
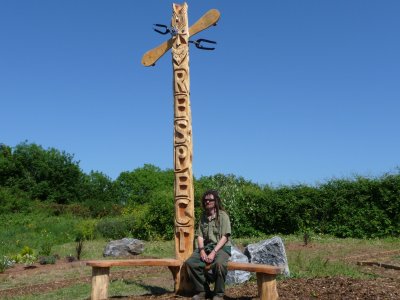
(184, 201)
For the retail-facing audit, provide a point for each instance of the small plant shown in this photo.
(306, 237)
(26, 250)
(28, 260)
(70, 258)
(46, 260)
(6, 263)
(26, 256)
(79, 247)
(45, 248)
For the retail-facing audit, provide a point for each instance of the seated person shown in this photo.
(214, 248)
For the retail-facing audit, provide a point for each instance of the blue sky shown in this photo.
(296, 91)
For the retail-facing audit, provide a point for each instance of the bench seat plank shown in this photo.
(258, 268)
(167, 262)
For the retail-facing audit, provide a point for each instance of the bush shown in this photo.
(155, 219)
(28, 259)
(6, 263)
(86, 230)
(45, 248)
(13, 200)
(115, 228)
(47, 260)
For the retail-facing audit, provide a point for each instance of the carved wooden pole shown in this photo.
(184, 200)
(183, 185)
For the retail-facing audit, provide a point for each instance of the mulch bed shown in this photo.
(385, 286)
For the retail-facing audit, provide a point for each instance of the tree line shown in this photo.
(33, 178)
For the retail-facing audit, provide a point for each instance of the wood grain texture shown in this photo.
(259, 268)
(209, 19)
(100, 282)
(267, 287)
(134, 262)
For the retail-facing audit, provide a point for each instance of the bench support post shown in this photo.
(175, 275)
(100, 281)
(267, 286)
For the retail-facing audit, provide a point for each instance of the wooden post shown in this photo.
(267, 286)
(100, 281)
(184, 192)
(183, 184)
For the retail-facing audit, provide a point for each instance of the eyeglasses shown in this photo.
(208, 200)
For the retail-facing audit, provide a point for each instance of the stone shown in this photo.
(236, 276)
(124, 247)
(270, 252)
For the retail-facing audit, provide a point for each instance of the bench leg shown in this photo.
(175, 274)
(100, 280)
(267, 286)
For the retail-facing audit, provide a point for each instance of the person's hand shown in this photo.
(211, 257)
(203, 255)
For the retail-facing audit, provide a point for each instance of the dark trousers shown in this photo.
(201, 277)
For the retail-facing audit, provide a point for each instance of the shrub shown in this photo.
(45, 248)
(86, 229)
(28, 259)
(26, 251)
(115, 228)
(6, 263)
(46, 260)
(153, 220)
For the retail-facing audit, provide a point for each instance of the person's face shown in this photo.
(209, 201)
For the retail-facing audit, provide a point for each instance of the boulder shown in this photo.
(124, 247)
(236, 276)
(270, 252)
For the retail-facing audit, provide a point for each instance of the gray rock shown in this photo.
(270, 252)
(124, 247)
(236, 276)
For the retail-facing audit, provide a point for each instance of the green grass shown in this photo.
(302, 266)
(91, 249)
(76, 292)
(160, 249)
(19, 230)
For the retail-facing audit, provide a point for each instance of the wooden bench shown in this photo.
(266, 274)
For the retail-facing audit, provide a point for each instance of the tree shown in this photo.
(137, 186)
(44, 174)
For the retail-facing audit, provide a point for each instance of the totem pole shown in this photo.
(183, 185)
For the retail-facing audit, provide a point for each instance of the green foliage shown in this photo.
(86, 229)
(49, 183)
(136, 187)
(47, 260)
(45, 247)
(6, 263)
(28, 259)
(13, 200)
(20, 229)
(115, 227)
(155, 219)
(234, 192)
(303, 266)
(99, 195)
(25, 256)
(359, 207)
(43, 174)
(26, 251)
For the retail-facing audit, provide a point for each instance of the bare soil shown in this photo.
(385, 285)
